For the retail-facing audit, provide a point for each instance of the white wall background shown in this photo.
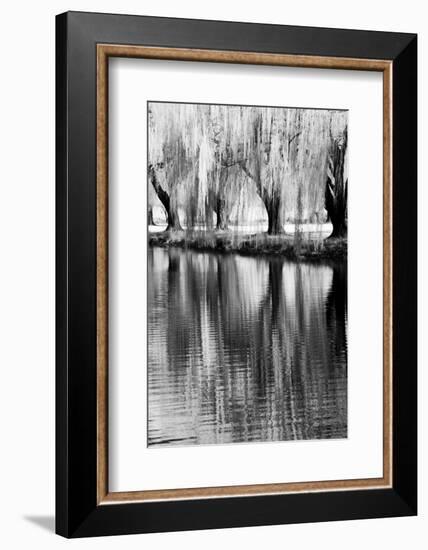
(27, 87)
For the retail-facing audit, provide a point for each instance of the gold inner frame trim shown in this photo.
(104, 51)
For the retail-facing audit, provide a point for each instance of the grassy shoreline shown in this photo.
(302, 247)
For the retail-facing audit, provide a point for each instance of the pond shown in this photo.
(244, 348)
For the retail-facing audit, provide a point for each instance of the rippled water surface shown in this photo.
(244, 349)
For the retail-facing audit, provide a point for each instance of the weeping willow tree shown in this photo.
(306, 187)
(224, 136)
(209, 159)
(269, 154)
(285, 154)
(336, 187)
(170, 156)
(192, 151)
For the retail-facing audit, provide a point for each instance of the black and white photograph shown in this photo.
(247, 274)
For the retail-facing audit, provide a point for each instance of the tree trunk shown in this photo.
(170, 208)
(340, 229)
(150, 219)
(336, 189)
(273, 207)
(173, 220)
(222, 218)
(217, 199)
(192, 209)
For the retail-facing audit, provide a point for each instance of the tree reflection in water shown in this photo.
(244, 349)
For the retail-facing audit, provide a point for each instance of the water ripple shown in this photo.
(244, 349)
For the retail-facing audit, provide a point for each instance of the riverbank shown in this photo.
(297, 247)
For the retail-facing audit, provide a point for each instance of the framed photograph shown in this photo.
(236, 274)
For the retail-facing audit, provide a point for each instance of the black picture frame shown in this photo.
(77, 511)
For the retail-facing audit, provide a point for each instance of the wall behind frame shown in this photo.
(27, 272)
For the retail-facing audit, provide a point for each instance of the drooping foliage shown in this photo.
(336, 188)
(210, 162)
